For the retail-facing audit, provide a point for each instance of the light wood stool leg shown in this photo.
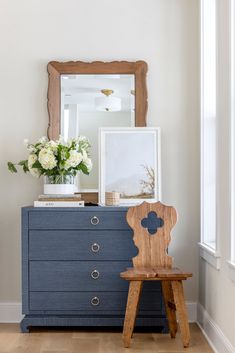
(170, 307)
(131, 311)
(178, 292)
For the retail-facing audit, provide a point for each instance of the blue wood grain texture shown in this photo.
(159, 322)
(77, 220)
(57, 263)
(76, 276)
(113, 301)
(24, 266)
(113, 245)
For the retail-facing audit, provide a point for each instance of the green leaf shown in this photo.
(83, 168)
(37, 164)
(11, 167)
(25, 167)
(23, 162)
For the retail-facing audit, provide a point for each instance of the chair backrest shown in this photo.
(152, 224)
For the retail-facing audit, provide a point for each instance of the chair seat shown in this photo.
(157, 274)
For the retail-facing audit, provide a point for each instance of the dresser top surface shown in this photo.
(76, 209)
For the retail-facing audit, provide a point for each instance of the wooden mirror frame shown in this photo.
(56, 69)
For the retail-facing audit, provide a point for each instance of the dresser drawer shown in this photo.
(112, 245)
(72, 219)
(77, 276)
(91, 301)
(81, 276)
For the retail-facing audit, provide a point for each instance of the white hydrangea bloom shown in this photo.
(74, 159)
(82, 139)
(88, 163)
(26, 142)
(52, 145)
(43, 139)
(31, 149)
(61, 141)
(32, 159)
(47, 159)
(84, 154)
(33, 171)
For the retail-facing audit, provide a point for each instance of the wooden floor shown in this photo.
(94, 341)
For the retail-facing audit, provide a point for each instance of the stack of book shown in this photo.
(69, 200)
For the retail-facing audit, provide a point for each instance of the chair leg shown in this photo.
(131, 311)
(170, 307)
(178, 293)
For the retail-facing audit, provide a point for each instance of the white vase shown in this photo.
(59, 184)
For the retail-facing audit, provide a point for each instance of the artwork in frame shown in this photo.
(130, 164)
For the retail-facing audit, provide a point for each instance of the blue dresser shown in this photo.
(71, 261)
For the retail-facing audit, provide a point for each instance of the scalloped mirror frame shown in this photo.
(56, 69)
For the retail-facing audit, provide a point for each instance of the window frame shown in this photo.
(231, 261)
(208, 253)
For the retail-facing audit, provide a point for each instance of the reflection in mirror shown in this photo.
(89, 102)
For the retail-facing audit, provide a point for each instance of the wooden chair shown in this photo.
(152, 224)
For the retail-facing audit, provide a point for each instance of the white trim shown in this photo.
(192, 311)
(210, 255)
(201, 26)
(201, 120)
(232, 130)
(217, 147)
(11, 312)
(231, 266)
(215, 337)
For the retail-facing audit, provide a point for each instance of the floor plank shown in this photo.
(95, 341)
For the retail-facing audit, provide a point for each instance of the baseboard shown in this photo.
(215, 337)
(192, 311)
(11, 312)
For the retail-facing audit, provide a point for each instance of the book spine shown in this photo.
(59, 199)
(58, 204)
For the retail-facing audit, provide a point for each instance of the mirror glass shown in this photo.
(92, 101)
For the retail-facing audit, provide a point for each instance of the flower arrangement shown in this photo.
(56, 159)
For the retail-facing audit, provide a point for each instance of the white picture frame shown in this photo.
(130, 163)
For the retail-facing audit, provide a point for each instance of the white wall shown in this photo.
(162, 32)
(217, 290)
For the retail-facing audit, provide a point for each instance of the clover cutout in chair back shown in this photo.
(152, 224)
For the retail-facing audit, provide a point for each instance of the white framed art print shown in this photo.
(130, 164)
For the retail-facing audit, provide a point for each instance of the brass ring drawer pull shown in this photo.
(95, 274)
(95, 301)
(95, 220)
(95, 247)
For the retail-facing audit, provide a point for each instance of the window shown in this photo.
(232, 45)
(208, 123)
